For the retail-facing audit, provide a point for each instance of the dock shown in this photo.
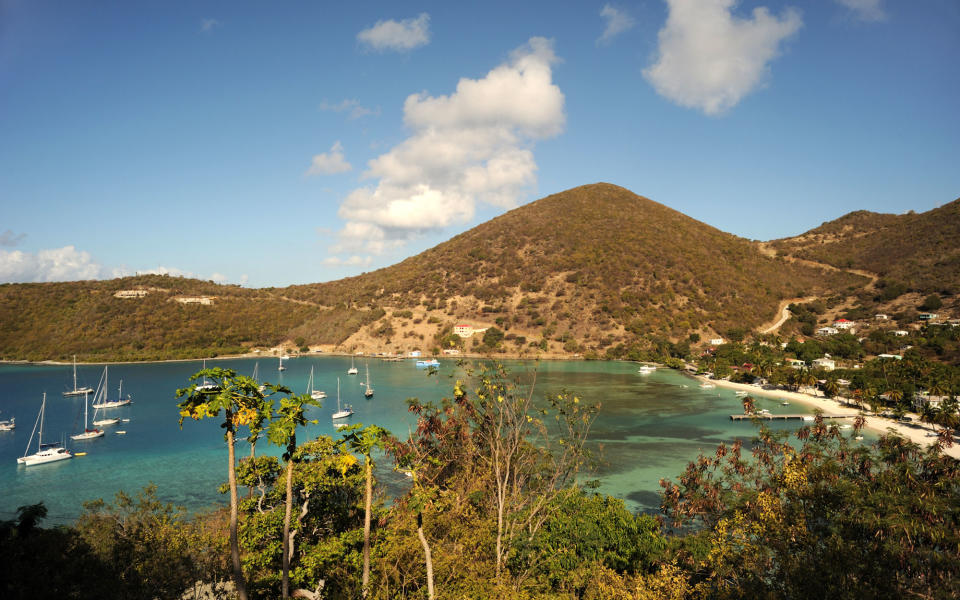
(794, 417)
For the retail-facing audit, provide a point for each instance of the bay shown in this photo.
(648, 428)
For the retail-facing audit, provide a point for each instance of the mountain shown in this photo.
(915, 252)
(588, 268)
(595, 269)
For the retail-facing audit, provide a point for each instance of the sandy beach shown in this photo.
(915, 432)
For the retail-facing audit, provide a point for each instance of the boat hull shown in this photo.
(43, 457)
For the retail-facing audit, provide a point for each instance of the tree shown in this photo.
(931, 302)
(283, 433)
(240, 400)
(365, 440)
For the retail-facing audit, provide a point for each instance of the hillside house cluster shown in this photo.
(466, 331)
(130, 293)
(205, 300)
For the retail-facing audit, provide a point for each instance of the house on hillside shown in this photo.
(900, 333)
(844, 324)
(464, 331)
(889, 356)
(827, 364)
(828, 331)
(881, 317)
(796, 363)
(716, 341)
(205, 300)
(927, 317)
(130, 293)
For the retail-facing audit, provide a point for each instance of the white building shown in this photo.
(130, 293)
(716, 341)
(464, 331)
(194, 300)
(796, 363)
(881, 317)
(828, 331)
(901, 333)
(827, 364)
(843, 324)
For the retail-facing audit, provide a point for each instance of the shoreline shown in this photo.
(915, 432)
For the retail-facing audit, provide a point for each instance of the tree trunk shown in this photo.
(234, 541)
(368, 508)
(286, 530)
(426, 555)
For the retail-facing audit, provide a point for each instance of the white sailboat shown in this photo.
(77, 391)
(315, 394)
(8, 424)
(346, 411)
(368, 389)
(281, 367)
(353, 369)
(87, 434)
(256, 377)
(102, 395)
(45, 453)
(206, 386)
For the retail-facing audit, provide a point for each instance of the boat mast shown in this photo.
(74, 372)
(43, 406)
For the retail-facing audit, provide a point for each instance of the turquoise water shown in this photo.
(648, 428)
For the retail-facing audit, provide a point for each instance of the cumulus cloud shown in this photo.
(208, 25)
(617, 20)
(352, 261)
(401, 36)
(474, 145)
(709, 59)
(9, 239)
(329, 163)
(352, 107)
(865, 10)
(59, 264)
(171, 271)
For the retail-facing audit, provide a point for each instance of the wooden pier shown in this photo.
(773, 417)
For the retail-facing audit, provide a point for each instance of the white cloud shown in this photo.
(59, 264)
(709, 59)
(208, 25)
(865, 10)
(329, 163)
(617, 20)
(352, 107)
(471, 146)
(401, 36)
(171, 271)
(353, 261)
(10, 239)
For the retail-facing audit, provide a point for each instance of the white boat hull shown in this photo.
(113, 404)
(79, 392)
(44, 456)
(342, 414)
(88, 435)
(103, 422)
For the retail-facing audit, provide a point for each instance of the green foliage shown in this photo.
(931, 302)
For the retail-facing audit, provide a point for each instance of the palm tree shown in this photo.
(242, 403)
(831, 388)
(283, 433)
(365, 441)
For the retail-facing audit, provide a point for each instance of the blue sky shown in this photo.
(277, 143)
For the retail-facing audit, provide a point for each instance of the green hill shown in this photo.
(593, 269)
(919, 252)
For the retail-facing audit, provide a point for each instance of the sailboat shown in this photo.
(368, 389)
(346, 411)
(207, 386)
(8, 425)
(353, 369)
(77, 391)
(315, 394)
(45, 452)
(256, 377)
(102, 395)
(281, 367)
(88, 434)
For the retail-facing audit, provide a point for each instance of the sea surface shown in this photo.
(649, 426)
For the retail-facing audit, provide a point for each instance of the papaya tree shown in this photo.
(239, 399)
(364, 440)
(283, 432)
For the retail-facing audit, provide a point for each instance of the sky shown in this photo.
(276, 143)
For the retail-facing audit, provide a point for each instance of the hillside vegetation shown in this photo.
(593, 270)
(916, 252)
